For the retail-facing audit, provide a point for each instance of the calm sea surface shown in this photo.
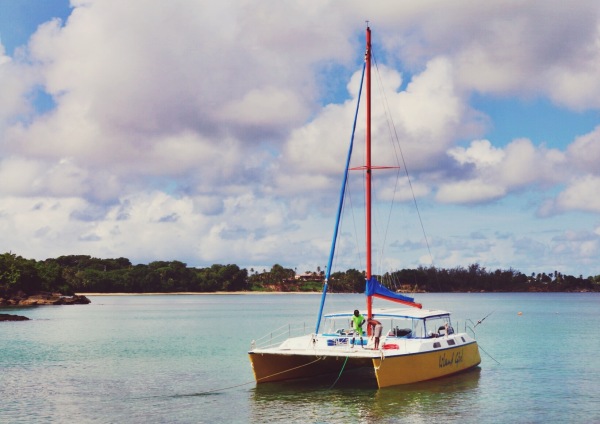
(183, 359)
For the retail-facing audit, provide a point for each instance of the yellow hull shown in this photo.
(392, 370)
(406, 369)
(270, 367)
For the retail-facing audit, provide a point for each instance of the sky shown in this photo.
(216, 132)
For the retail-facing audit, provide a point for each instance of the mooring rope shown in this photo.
(340, 374)
(473, 331)
(480, 348)
(380, 361)
(262, 378)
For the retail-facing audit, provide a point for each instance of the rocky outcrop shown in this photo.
(9, 317)
(22, 299)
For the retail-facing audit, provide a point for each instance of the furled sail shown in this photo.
(375, 288)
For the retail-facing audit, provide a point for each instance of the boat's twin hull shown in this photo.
(406, 369)
(389, 369)
(269, 367)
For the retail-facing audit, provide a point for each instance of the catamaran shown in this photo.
(416, 344)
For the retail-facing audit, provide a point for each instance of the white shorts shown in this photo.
(377, 330)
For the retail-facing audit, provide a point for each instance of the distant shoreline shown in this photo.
(252, 293)
(194, 293)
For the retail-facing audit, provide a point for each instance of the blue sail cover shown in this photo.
(374, 288)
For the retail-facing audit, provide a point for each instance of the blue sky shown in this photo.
(19, 19)
(215, 133)
(536, 118)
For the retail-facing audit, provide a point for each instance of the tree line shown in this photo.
(82, 273)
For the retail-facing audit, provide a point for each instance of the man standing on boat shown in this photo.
(357, 322)
(376, 330)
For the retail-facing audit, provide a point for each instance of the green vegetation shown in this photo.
(476, 278)
(82, 273)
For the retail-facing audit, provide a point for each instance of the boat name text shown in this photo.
(456, 358)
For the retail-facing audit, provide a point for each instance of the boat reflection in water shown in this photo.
(347, 400)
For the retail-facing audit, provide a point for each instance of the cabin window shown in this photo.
(407, 328)
(418, 328)
(463, 339)
(451, 342)
(436, 345)
(438, 326)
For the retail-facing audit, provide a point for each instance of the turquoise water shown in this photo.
(182, 359)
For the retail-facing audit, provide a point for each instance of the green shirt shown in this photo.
(357, 321)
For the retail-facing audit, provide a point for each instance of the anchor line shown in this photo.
(340, 374)
(262, 378)
(488, 354)
(380, 361)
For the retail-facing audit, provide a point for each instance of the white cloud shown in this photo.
(525, 164)
(481, 154)
(494, 172)
(427, 116)
(432, 106)
(283, 108)
(580, 194)
(25, 177)
(426, 119)
(198, 131)
(16, 82)
(584, 152)
(550, 49)
(18, 176)
(472, 191)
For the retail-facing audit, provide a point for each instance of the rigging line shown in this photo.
(333, 254)
(340, 374)
(334, 260)
(360, 260)
(405, 167)
(349, 197)
(388, 120)
(364, 189)
(262, 378)
(384, 230)
(479, 345)
(483, 319)
(378, 231)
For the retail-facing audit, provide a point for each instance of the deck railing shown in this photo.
(279, 335)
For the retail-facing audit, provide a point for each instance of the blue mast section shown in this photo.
(340, 206)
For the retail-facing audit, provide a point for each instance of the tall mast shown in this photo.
(368, 169)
